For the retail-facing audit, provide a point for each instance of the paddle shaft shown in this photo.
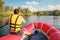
(3, 26)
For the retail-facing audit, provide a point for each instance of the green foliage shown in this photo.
(8, 8)
(25, 11)
(1, 5)
(47, 13)
(56, 12)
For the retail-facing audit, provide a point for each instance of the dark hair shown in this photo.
(16, 11)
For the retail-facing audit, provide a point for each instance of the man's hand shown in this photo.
(25, 34)
(7, 22)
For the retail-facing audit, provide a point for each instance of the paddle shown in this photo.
(3, 26)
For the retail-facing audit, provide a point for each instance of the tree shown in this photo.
(56, 13)
(1, 5)
(8, 8)
(27, 12)
(20, 9)
(46, 13)
(50, 13)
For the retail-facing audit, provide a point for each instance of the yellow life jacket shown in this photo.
(15, 23)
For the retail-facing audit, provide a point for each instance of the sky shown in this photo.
(35, 5)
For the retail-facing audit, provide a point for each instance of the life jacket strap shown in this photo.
(16, 24)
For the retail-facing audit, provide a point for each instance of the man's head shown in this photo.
(16, 11)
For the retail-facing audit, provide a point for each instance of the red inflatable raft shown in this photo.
(50, 31)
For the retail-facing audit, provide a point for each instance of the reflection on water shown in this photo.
(53, 20)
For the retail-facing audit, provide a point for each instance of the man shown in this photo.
(15, 22)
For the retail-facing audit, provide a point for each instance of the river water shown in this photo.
(53, 20)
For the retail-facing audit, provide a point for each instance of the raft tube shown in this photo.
(50, 31)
